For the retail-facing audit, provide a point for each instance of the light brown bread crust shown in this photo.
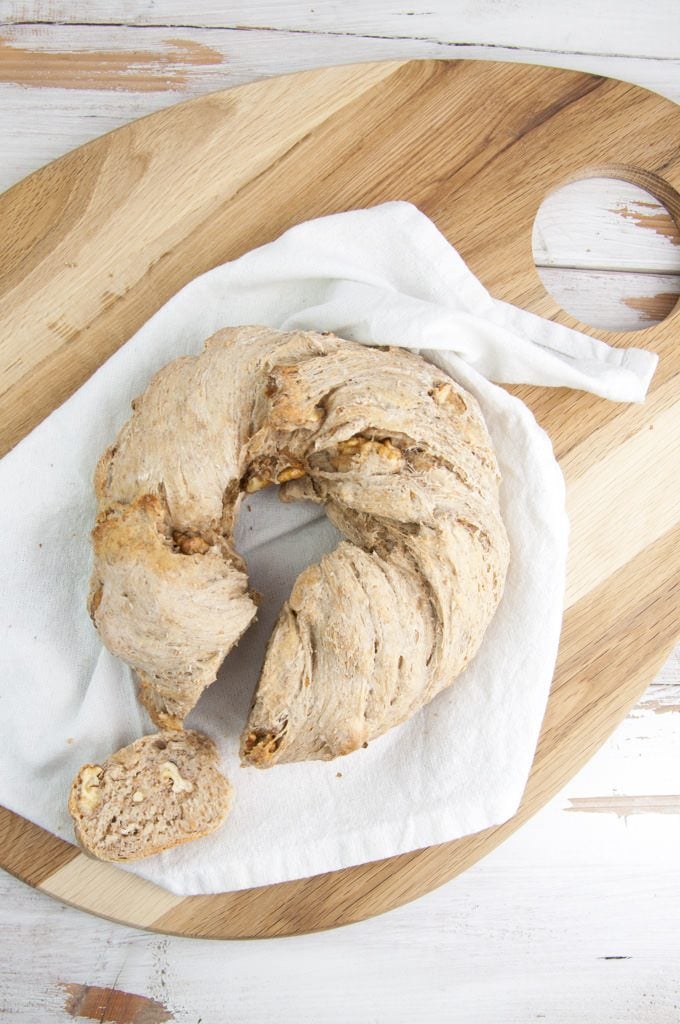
(400, 458)
(160, 791)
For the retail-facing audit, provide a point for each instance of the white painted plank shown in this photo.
(612, 300)
(252, 53)
(496, 946)
(609, 27)
(582, 224)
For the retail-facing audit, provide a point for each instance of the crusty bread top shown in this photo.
(399, 456)
(160, 791)
(403, 464)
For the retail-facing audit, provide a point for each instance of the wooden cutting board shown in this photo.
(94, 243)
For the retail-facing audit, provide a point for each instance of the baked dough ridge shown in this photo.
(400, 458)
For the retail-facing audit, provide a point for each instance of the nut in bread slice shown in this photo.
(160, 791)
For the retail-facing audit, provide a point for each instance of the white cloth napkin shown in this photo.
(380, 275)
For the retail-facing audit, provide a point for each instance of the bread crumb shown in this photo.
(338, 775)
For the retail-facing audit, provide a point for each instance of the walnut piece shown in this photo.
(256, 483)
(90, 794)
(170, 773)
(446, 394)
(291, 473)
(190, 544)
(357, 449)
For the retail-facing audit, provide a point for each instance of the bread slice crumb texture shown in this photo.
(160, 791)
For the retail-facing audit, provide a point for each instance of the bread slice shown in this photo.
(160, 791)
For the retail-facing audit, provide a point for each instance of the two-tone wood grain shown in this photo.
(98, 240)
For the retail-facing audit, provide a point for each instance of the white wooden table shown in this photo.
(577, 917)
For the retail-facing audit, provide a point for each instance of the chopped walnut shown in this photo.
(256, 483)
(261, 746)
(446, 394)
(90, 794)
(358, 449)
(290, 473)
(190, 545)
(386, 450)
(351, 443)
(170, 773)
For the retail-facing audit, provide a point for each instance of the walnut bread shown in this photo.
(398, 455)
(160, 791)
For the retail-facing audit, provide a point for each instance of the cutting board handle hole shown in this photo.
(607, 249)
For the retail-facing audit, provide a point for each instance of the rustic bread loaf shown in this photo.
(400, 458)
(160, 791)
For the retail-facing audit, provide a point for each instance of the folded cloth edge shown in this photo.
(567, 357)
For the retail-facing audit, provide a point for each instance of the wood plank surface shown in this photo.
(623, 613)
(613, 300)
(520, 25)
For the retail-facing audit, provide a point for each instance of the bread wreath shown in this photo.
(399, 456)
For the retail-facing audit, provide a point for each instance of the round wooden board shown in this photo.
(97, 241)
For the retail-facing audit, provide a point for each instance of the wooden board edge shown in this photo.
(66, 862)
